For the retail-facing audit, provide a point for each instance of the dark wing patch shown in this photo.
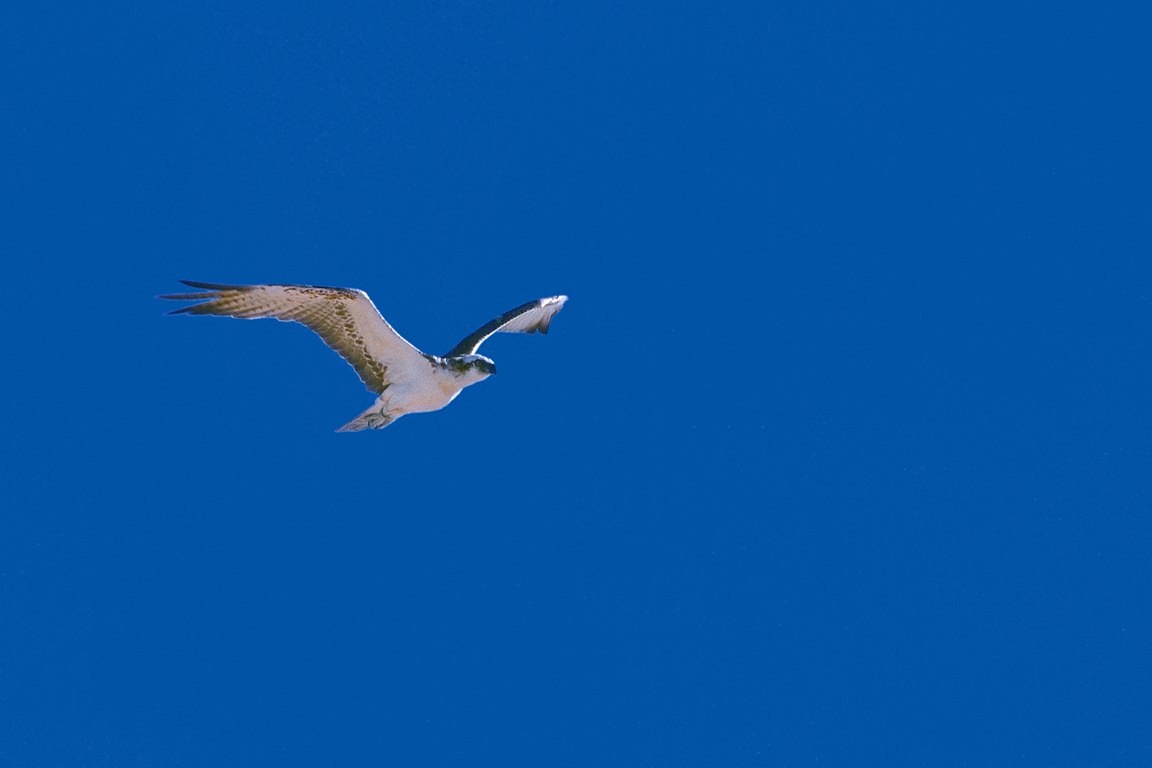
(530, 317)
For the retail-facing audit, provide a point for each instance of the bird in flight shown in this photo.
(404, 379)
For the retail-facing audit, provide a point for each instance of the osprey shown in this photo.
(404, 379)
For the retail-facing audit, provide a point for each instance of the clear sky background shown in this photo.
(840, 453)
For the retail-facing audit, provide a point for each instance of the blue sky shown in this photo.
(839, 454)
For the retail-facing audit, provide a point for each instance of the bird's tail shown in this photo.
(376, 417)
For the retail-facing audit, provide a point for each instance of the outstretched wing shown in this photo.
(344, 318)
(526, 318)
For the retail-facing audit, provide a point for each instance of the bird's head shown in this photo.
(472, 364)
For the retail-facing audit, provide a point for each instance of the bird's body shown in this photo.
(421, 395)
(404, 379)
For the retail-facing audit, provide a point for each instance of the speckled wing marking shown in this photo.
(527, 318)
(344, 318)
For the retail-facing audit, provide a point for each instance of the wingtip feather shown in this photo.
(214, 286)
(210, 291)
(186, 296)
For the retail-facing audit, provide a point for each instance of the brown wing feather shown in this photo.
(344, 318)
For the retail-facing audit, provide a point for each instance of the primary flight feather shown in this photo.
(404, 379)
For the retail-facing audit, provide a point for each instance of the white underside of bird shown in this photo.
(431, 391)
